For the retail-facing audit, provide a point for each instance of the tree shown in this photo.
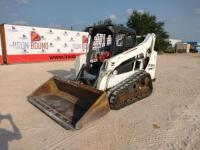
(145, 23)
(107, 21)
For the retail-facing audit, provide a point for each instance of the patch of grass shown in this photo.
(170, 50)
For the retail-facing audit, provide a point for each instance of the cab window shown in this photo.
(130, 41)
(120, 40)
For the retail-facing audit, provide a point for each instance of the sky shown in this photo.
(181, 17)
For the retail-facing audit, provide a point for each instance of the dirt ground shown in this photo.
(168, 119)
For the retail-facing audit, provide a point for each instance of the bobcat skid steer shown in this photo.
(115, 72)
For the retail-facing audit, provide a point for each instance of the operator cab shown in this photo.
(107, 41)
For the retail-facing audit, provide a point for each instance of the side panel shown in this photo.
(78, 63)
(151, 67)
(116, 79)
(34, 44)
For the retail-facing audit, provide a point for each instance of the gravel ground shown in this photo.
(168, 119)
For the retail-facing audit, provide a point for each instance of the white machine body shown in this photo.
(109, 77)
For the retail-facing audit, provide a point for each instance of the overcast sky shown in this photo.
(181, 17)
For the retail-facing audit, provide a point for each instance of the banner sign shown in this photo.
(29, 44)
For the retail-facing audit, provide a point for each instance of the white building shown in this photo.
(174, 41)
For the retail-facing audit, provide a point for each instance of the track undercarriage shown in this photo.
(131, 90)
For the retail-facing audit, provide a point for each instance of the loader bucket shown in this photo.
(69, 103)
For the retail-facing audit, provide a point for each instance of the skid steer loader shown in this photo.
(115, 72)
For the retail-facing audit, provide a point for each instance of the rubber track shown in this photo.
(130, 86)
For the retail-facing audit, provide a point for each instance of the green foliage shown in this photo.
(170, 50)
(104, 22)
(107, 21)
(145, 23)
